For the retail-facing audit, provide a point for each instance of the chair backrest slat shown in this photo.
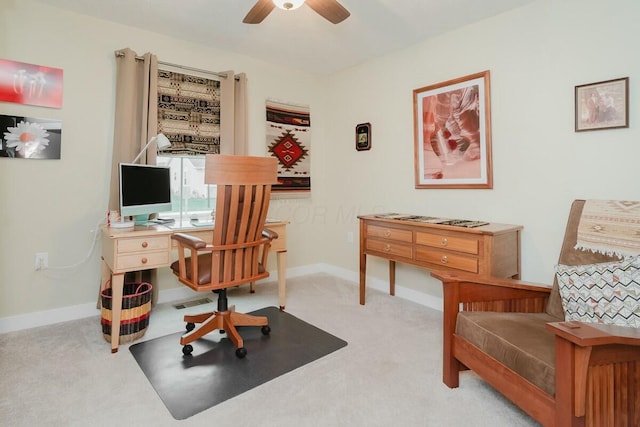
(243, 196)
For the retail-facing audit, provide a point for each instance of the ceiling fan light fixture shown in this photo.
(288, 4)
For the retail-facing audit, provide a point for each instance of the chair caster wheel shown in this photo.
(266, 330)
(190, 326)
(187, 349)
(241, 352)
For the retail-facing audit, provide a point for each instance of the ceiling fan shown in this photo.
(328, 9)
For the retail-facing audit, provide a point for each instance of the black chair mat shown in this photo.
(212, 374)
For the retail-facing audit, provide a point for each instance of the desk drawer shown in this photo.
(279, 244)
(142, 244)
(142, 261)
(447, 259)
(389, 248)
(464, 244)
(390, 233)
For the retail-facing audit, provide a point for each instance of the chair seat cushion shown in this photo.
(204, 268)
(519, 341)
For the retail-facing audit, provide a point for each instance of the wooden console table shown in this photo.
(490, 249)
(146, 247)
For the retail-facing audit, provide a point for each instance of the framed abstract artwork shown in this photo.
(30, 84)
(602, 105)
(452, 133)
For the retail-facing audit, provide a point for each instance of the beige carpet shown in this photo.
(388, 375)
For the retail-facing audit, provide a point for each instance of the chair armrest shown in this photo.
(472, 288)
(269, 234)
(580, 346)
(189, 240)
(592, 334)
(447, 277)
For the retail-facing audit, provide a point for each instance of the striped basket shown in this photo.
(134, 317)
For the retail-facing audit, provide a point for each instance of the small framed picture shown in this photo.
(363, 136)
(602, 105)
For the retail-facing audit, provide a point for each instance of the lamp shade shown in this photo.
(161, 141)
(288, 4)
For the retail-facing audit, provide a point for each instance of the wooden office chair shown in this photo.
(239, 248)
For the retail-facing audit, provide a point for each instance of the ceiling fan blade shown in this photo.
(259, 11)
(329, 9)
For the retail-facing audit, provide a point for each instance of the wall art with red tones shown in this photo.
(289, 141)
(30, 84)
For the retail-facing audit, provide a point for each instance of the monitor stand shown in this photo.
(141, 219)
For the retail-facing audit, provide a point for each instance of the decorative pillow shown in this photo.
(602, 293)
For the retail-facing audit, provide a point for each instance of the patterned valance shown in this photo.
(189, 113)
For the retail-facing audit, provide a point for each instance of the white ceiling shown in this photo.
(300, 38)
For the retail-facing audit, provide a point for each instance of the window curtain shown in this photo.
(135, 123)
(233, 113)
(240, 139)
(136, 113)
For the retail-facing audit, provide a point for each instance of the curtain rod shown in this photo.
(183, 67)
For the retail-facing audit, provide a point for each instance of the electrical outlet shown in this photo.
(349, 236)
(42, 260)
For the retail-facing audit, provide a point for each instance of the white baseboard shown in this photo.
(383, 286)
(47, 317)
(64, 314)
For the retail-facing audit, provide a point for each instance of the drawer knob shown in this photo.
(387, 247)
(144, 260)
(444, 259)
(387, 233)
(444, 241)
(145, 244)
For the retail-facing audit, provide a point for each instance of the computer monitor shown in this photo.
(144, 190)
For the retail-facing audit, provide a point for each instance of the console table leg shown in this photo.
(392, 278)
(282, 281)
(363, 276)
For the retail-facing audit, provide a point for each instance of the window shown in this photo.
(190, 196)
(194, 100)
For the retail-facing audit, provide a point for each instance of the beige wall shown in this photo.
(53, 206)
(536, 55)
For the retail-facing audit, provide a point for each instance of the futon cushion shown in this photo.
(519, 341)
(606, 293)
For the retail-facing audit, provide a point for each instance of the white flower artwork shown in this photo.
(31, 138)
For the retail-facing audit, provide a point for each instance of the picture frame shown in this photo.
(30, 84)
(602, 105)
(452, 133)
(27, 137)
(363, 136)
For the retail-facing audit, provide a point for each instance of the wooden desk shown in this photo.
(147, 247)
(492, 249)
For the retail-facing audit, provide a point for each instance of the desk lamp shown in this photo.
(161, 141)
